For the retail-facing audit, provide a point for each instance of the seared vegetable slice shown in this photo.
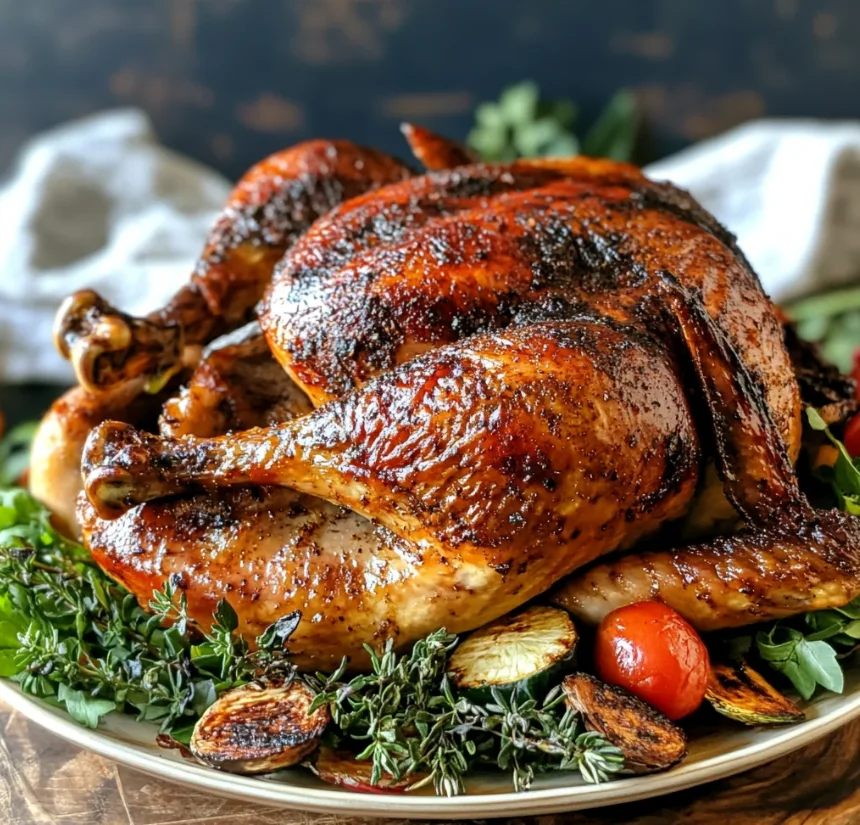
(648, 740)
(519, 651)
(338, 767)
(254, 729)
(742, 694)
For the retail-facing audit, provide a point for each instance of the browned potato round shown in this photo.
(254, 729)
(648, 740)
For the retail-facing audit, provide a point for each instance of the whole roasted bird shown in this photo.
(122, 362)
(516, 369)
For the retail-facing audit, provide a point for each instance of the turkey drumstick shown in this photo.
(272, 205)
(540, 448)
(436, 258)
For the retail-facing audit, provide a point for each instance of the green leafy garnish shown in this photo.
(832, 319)
(806, 649)
(408, 720)
(73, 637)
(15, 454)
(844, 475)
(804, 661)
(70, 635)
(614, 133)
(520, 124)
(83, 708)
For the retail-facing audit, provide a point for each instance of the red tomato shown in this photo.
(851, 437)
(653, 652)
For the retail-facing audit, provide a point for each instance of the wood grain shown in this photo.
(48, 781)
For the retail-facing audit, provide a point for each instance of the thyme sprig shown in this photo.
(410, 723)
(72, 636)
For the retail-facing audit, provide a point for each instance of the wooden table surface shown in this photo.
(46, 780)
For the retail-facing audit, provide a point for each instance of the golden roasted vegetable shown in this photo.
(740, 693)
(254, 729)
(648, 740)
(337, 767)
(520, 651)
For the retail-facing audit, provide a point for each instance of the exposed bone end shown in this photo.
(435, 151)
(107, 347)
(123, 467)
(111, 491)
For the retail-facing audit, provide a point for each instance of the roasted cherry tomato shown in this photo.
(851, 438)
(653, 652)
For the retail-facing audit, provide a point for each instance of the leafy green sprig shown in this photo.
(15, 452)
(72, 636)
(843, 477)
(832, 319)
(409, 722)
(520, 124)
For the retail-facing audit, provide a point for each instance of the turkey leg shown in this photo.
(272, 205)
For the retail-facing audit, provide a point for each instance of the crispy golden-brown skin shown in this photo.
(446, 255)
(517, 467)
(236, 386)
(269, 208)
(757, 575)
(116, 356)
(517, 369)
(55, 455)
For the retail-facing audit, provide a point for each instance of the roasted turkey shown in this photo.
(122, 362)
(473, 383)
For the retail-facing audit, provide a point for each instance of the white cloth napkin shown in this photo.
(99, 203)
(790, 191)
(95, 203)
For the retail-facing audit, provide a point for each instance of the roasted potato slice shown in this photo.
(255, 729)
(648, 740)
(740, 693)
(339, 767)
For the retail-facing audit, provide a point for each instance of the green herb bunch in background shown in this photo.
(15, 452)
(832, 319)
(520, 124)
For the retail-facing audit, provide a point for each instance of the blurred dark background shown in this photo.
(228, 81)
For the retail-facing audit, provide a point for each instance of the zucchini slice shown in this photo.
(339, 767)
(740, 693)
(520, 651)
(648, 740)
(254, 729)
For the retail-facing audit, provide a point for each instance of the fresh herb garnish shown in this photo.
(70, 635)
(832, 319)
(409, 721)
(520, 124)
(73, 637)
(844, 476)
(803, 659)
(15, 453)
